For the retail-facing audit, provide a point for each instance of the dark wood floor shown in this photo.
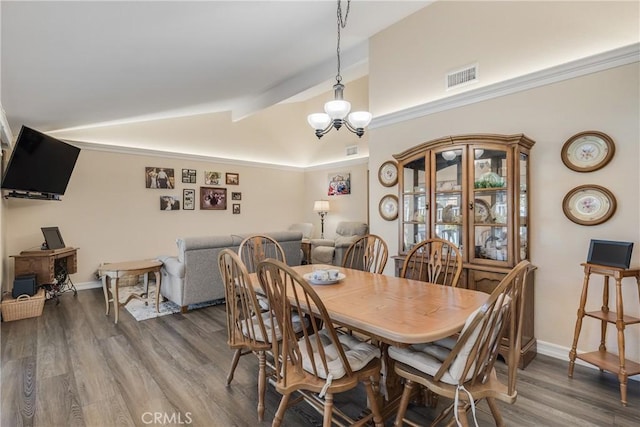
(73, 367)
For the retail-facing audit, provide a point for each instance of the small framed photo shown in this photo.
(236, 208)
(156, 177)
(232, 178)
(212, 198)
(169, 203)
(236, 196)
(212, 178)
(188, 199)
(189, 176)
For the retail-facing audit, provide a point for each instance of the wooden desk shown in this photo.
(43, 262)
(112, 272)
(602, 358)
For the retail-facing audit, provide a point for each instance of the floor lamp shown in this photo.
(322, 207)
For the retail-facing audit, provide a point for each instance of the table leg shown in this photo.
(576, 334)
(105, 285)
(622, 373)
(157, 274)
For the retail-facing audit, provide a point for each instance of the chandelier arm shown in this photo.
(357, 131)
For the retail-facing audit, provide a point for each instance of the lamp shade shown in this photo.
(337, 109)
(318, 120)
(321, 206)
(360, 119)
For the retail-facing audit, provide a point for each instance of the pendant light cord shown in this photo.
(342, 23)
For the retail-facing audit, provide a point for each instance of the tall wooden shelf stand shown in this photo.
(603, 359)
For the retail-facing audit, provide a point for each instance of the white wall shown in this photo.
(607, 101)
(110, 216)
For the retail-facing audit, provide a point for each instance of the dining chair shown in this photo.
(368, 253)
(247, 330)
(319, 362)
(433, 260)
(256, 248)
(462, 367)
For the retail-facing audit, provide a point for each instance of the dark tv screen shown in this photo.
(39, 163)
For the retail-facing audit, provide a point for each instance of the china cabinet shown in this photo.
(472, 190)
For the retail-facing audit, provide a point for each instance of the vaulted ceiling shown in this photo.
(81, 63)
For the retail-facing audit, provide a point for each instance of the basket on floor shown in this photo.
(23, 307)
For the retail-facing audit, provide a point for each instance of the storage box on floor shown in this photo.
(22, 307)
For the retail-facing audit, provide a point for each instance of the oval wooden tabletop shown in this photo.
(130, 266)
(394, 309)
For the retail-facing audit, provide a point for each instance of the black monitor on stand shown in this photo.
(52, 238)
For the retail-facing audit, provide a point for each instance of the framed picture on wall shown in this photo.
(212, 178)
(213, 198)
(188, 199)
(339, 184)
(236, 196)
(233, 179)
(156, 177)
(169, 203)
(236, 208)
(189, 176)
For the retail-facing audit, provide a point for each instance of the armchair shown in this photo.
(327, 251)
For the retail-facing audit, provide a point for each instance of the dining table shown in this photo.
(393, 310)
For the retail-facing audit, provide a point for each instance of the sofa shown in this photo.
(327, 251)
(193, 276)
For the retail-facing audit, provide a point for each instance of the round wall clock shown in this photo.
(388, 173)
(589, 204)
(588, 151)
(388, 207)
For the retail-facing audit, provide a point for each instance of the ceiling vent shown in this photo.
(352, 150)
(462, 77)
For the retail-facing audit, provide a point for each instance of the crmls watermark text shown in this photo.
(166, 418)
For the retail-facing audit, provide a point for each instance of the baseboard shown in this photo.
(562, 353)
(88, 285)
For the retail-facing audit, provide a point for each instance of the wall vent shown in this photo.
(352, 150)
(463, 76)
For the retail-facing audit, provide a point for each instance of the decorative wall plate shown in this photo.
(388, 173)
(388, 207)
(482, 211)
(589, 204)
(588, 151)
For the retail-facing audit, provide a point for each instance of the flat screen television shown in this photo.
(41, 164)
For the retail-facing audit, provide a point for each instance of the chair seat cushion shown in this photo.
(266, 319)
(429, 357)
(358, 354)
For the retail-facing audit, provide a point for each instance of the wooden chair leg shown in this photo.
(284, 402)
(328, 410)
(404, 402)
(234, 364)
(462, 415)
(446, 411)
(495, 411)
(262, 381)
(373, 402)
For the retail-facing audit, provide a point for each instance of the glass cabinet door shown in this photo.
(489, 205)
(523, 208)
(448, 202)
(415, 210)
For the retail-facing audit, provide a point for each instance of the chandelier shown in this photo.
(338, 109)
